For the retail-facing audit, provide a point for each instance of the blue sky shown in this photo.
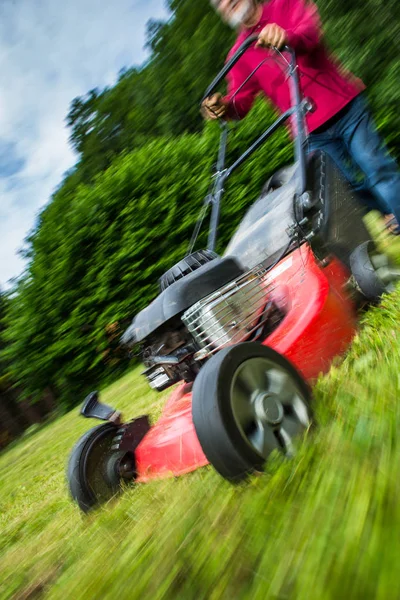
(50, 52)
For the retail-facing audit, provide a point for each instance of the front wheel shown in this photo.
(248, 400)
(95, 470)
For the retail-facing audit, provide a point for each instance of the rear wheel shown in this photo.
(248, 401)
(95, 471)
(374, 272)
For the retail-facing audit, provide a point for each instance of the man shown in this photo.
(341, 124)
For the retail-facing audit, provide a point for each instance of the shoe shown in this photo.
(392, 225)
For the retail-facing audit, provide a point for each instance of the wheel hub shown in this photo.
(119, 465)
(126, 467)
(269, 409)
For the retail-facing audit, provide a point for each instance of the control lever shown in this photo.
(93, 409)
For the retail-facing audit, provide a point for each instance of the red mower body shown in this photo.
(248, 329)
(319, 323)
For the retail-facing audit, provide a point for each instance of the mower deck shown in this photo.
(320, 322)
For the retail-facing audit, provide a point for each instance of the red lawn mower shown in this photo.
(242, 335)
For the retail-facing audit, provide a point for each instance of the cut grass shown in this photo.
(324, 525)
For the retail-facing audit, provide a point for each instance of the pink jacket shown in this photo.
(322, 78)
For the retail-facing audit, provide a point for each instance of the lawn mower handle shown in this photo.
(297, 111)
(233, 60)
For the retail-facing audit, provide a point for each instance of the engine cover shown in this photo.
(178, 296)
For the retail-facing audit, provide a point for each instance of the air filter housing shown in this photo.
(230, 314)
(185, 266)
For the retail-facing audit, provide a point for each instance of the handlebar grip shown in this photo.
(233, 60)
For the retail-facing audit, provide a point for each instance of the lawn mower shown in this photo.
(242, 336)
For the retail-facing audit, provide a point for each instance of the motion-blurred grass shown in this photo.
(324, 525)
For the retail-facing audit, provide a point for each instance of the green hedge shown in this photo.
(98, 249)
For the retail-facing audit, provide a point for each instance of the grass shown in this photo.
(325, 525)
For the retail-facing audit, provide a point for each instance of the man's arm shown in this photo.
(303, 35)
(305, 31)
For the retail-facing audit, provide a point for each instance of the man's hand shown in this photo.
(272, 35)
(213, 107)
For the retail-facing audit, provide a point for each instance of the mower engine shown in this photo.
(168, 358)
(238, 311)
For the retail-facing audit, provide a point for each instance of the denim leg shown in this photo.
(369, 152)
(336, 149)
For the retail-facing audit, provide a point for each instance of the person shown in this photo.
(341, 123)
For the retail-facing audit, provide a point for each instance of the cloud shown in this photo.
(51, 52)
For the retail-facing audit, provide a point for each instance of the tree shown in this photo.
(162, 98)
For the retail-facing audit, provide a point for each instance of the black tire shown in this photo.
(92, 473)
(228, 446)
(372, 271)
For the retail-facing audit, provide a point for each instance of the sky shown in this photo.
(50, 52)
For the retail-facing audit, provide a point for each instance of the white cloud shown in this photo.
(51, 52)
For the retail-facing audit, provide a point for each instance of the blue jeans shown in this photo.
(357, 149)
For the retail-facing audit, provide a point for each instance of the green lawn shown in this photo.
(323, 525)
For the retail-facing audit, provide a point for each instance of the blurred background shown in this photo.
(111, 225)
(124, 212)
